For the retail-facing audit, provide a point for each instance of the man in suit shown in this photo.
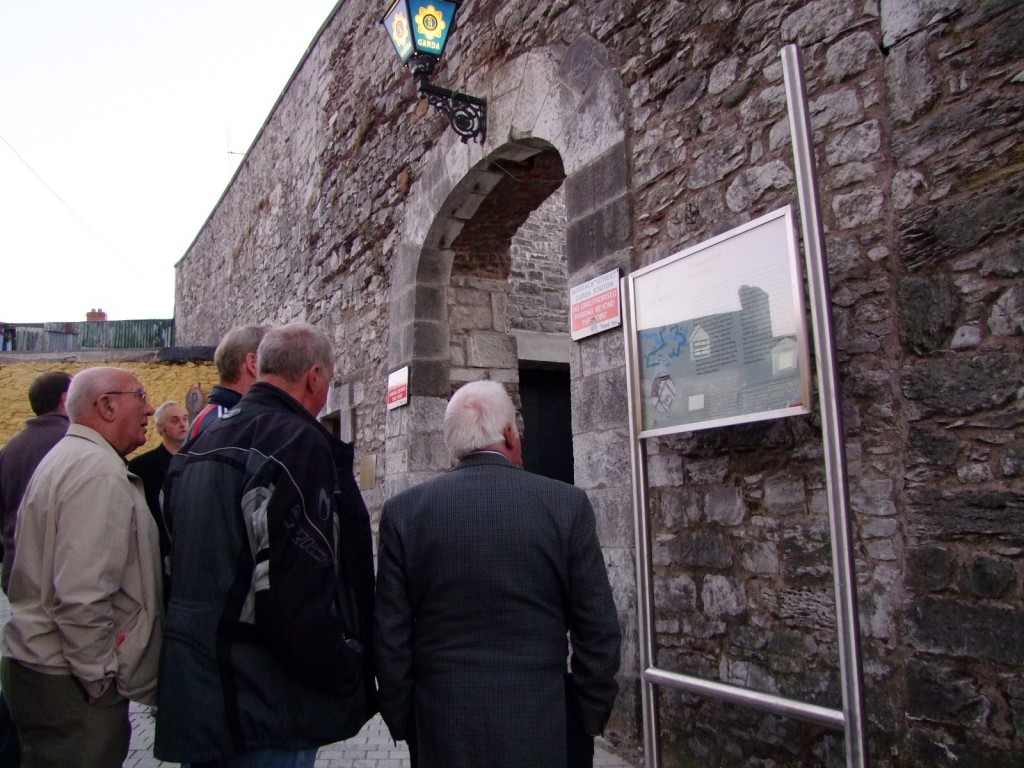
(481, 573)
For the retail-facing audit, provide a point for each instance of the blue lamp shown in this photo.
(419, 31)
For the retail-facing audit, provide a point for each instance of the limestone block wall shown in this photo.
(163, 381)
(539, 284)
(670, 123)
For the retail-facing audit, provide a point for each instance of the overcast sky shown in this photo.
(118, 120)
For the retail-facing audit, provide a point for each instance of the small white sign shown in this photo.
(398, 388)
(595, 306)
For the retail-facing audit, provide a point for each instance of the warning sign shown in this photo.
(594, 306)
(398, 388)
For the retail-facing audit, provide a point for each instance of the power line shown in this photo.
(61, 199)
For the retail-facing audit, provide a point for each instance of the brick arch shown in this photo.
(561, 101)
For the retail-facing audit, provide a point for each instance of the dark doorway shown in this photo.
(547, 416)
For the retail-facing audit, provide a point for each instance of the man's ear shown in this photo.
(510, 435)
(312, 377)
(251, 365)
(105, 407)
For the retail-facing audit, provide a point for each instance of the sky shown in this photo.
(121, 124)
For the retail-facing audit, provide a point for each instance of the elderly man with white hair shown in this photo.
(85, 628)
(481, 573)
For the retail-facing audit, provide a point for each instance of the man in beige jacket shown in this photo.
(85, 592)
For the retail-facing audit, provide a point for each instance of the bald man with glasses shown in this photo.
(85, 591)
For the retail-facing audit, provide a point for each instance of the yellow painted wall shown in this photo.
(163, 381)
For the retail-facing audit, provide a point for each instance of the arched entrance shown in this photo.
(552, 114)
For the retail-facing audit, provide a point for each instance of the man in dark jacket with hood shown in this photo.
(266, 650)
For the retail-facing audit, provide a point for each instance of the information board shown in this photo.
(720, 331)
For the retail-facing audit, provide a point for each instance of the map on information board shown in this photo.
(720, 331)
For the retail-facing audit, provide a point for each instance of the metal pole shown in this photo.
(642, 535)
(831, 415)
(766, 702)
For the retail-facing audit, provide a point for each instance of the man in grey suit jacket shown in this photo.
(481, 573)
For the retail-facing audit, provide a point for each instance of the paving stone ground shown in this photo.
(372, 747)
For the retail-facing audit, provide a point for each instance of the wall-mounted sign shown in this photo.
(419, 27)
(720, 331)
(194, 400)
(594, 306)
(398, 388)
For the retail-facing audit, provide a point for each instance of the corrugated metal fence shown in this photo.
(68, 337)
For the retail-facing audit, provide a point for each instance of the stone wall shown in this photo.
(163, 381)
(358, 211)
(539, 283)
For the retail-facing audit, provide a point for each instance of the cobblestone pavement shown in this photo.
(372, 747)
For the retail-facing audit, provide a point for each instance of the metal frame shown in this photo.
(833, 439)
(851, 718)
(737, 248)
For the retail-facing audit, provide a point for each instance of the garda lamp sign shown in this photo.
(420, 26)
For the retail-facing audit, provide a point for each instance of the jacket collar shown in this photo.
(47, 418)
(484, 458)
(90, 434)
(224, 396)
(267, 395)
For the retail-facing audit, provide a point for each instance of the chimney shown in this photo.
(95, 315)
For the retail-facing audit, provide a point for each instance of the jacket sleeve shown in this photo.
(593, 623)
(296, 571)
(392, 635)
(93, 537)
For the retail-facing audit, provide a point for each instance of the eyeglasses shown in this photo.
(139, 393)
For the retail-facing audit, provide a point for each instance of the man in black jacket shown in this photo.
(266, 651)
(235, 358)
(171, 422)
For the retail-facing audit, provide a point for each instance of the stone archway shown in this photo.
(568, 99)
(571, 103)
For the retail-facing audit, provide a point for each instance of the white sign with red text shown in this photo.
(398, 388)
(594, 306)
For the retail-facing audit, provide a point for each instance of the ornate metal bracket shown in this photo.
(466, 114)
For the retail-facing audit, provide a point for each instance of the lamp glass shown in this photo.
(396, 22)
(432, 22)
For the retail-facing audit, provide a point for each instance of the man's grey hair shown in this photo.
(476, 417)
(158, 417)
(87, 386)
(290, 351)
(234, 348)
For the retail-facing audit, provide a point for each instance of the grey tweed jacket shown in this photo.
(481, 572)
